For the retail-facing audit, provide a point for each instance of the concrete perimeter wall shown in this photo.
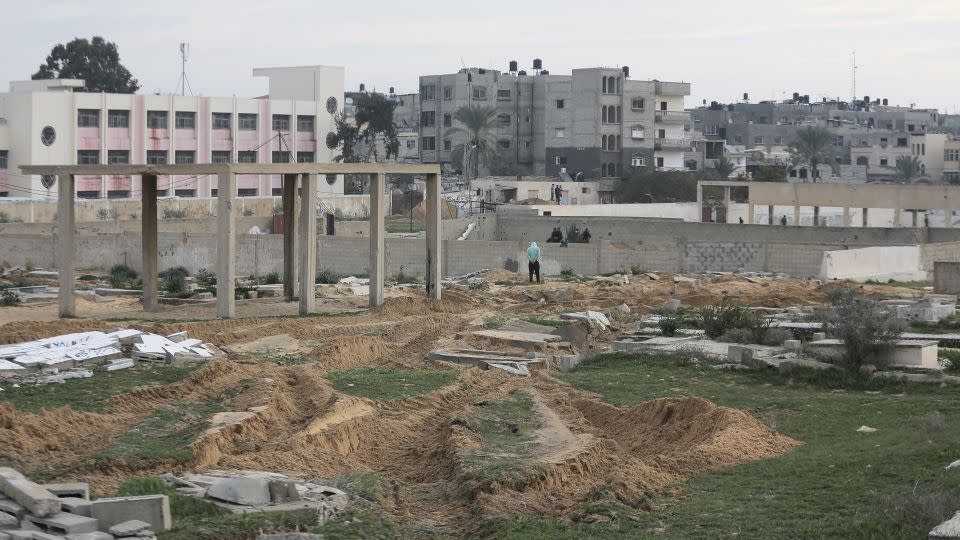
(901, 263)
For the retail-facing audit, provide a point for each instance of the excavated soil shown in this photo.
(304, 427)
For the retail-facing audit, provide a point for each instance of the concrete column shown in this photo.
(816, 216)
(433, 236)
(796, 214)
(865, 221)
(66, 250)
(947, 218)
(749, 213)
(846, 217)
(699, 202)
(377, 247)
(149, 241)
(896, 217)
(914, 218)
(308, 243)
(769, 214)
(289, 236)
(226, 246)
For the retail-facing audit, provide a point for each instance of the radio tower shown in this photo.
(853, 77)
(183, 84)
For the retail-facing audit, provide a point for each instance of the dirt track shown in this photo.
(306, 428)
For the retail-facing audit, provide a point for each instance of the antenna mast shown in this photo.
(184, 84)
(853, 77)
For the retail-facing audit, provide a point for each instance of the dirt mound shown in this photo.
(406, 306)
(20, 331)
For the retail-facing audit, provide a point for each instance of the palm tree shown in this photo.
(908, 168)
(814, 146)
(481, 145)
(724, 167)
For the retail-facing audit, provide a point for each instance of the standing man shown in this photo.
(559, 193)
(533, 255)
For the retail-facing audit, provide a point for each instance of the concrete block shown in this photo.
(792, 344)
(283, 491)
(129, 528)
(8, 522)
(154, 509)
(819, 336)
(241, 490)
(739, 353)
(35, 499)
(10, 507)
(63, 523)
(77, 489)
(75, 505)
(98, 535)
(568, 362)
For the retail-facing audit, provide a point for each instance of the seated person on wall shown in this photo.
(556, 236)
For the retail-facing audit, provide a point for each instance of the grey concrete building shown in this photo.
(593, 123)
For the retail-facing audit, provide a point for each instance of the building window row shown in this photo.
(608, 170)
(160, 157)
(428, 118)
(638, 104)
(610, 114)
(951, 155)
(611, 142)
(120, 118)
(610, 85)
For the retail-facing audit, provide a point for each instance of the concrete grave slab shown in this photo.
(154, 509)
(64, 523)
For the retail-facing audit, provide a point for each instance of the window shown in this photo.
(663, 105)
(88, 157)
(910, 127)
(281, 122)
(503, 94)
(636, 160)
(637, 104)
(277, 191)
(660, 162)
(560, 133)
(185, 192)
(247, 121)
(560, 160)
(429, 143)
(428, 93)
(305, 157)
(185, 156)
(862, 160)
(411, 144)
(559, 103)
(951, 177)
(738, 139)
(447, 93)
(503, 144)
(758, 140)
(636, 132)
(479, 92)
(504, 119)
(221, 120)
(280, 157)
(118, 194)
(88, 118)
(213, 192)
(603, 168)
(611, 169)
(247, 156)
(883, 141)
(220, 156)
(118, 157)
(690, 164)
(902, 141)
(619, 114)
(157, 119)
(951, 155)
(185, 120)
(923, 149)
(305, 124)
(3, 159)
(118, 118)
(447, 120)
(88, 194)
(883, 162)
(447, 144)
(247, 192)
(428, 118)
(778, 140)
(838, 141)
(156, 157)
(793, 173)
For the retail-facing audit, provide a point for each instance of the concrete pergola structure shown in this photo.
(913, 198)
(296, 216)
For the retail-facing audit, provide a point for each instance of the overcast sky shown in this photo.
(908, 52)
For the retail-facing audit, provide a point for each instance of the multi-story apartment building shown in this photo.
(593, 123)
(47, 122)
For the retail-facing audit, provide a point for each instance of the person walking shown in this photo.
(559, 193)
(533, 255)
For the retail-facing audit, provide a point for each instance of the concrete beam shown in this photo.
(699, 201)
(433, 236)
(308, 243)
(377, 233)
(235, 168)
(289, 236)
(149, 242)
(66, 250)
(226, 246)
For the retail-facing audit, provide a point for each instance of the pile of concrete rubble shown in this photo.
(30, 511)
(72, 356)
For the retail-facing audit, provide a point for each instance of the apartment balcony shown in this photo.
(672, 88)
(672, 117)
(672, 144)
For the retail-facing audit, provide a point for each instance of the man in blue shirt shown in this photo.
(533, 254)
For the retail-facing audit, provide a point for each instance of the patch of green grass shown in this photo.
(545, 322)
(511, 283)
(506, 431)
(906, 284)
(163, 435)
(494, 323)
(292, 359)
(92, 394)
(382, 384)
(953, 357)
(366, 485)
(840, 483)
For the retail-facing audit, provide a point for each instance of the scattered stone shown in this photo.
(129, 528)
(682, 279)
(63, 523)
(792, 345)
(77, 489)
(34, 498)
(739, 354)
(98, 535)
(868, 369)
(819, 336)
(671, 305)
(652, 276)
(241, 490)
(949, 529)
(787, 366)
(953, 465)
(154, 509)
(8, 522)
(866, 429)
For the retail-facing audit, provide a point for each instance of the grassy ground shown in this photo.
(506, 431)
(839, 484)
(382, 384)
(401, 224)
(92, 394)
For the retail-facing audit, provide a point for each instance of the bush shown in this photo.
(777, 336)
(271, 279)
(29, 266)
(669, 325)
(174, 280)
(636, 269)
(865, 326)
(122, 276)
(103, 214)
(568, 272)
(206, 279)
(326, 277)
(718, 320)
(479, 286)
(737, 335)
(174, 213)
(247, 212)
(9, 299)
(4, 217)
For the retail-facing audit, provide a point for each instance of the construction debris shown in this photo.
(70, 356)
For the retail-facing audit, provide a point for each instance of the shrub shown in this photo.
(4, 217)
(9, 299)
(206, 279)
(865, 326)
(737, 335)
(721, 317)
(777, 336)
(174, 280)
(87, 277)
(174, 213)
(636, 269)
(566, 272)
(247, 212)
(326, 277)
(271, 279)
(103, 214)
(479, 286)
(29, 266)
(669, 325)
(122, 276)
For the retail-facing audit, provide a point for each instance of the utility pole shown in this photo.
(853, 77)
(183, 84)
